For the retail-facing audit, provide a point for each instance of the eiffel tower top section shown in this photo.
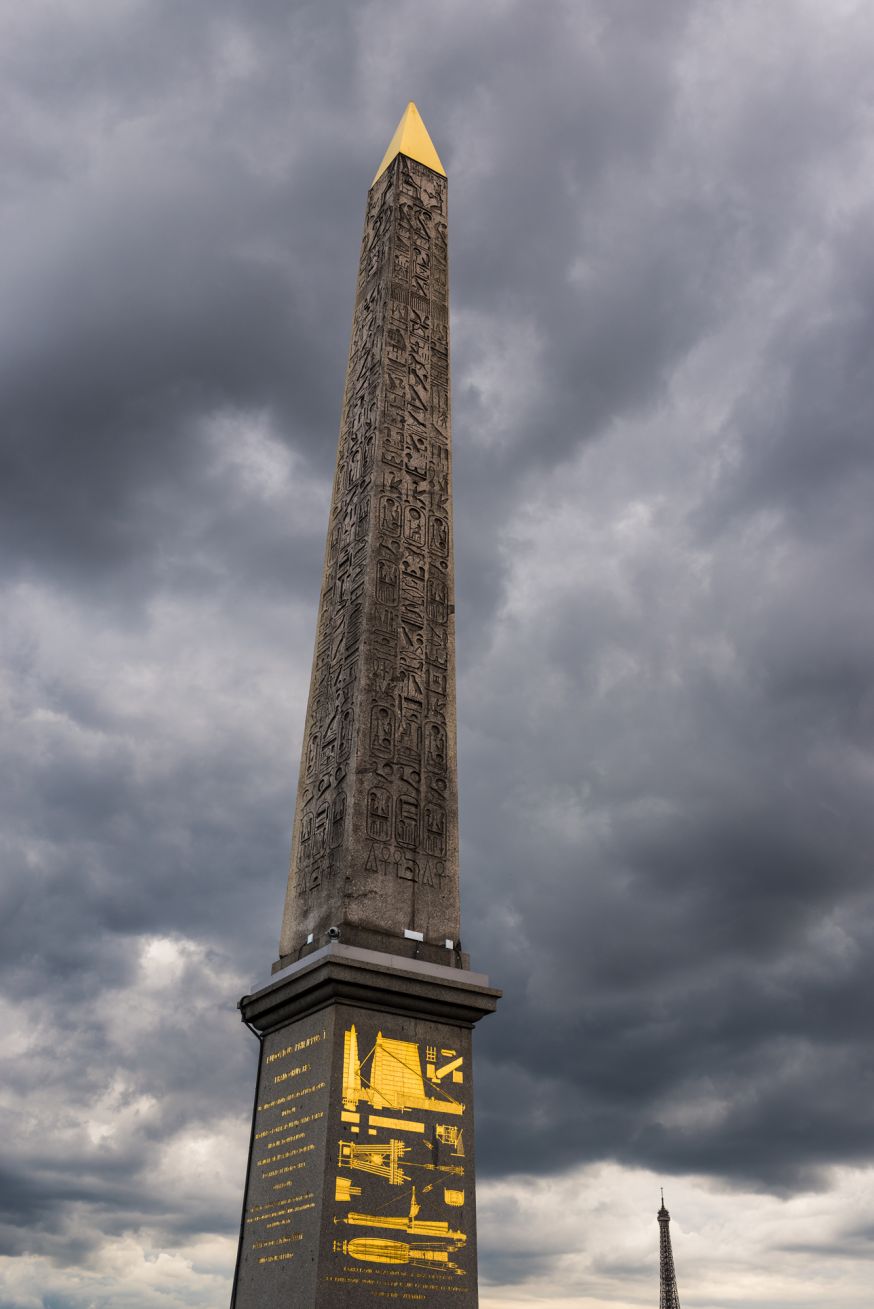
(669, 1297)
(375, 847)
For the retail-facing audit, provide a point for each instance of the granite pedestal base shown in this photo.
(360, 1184)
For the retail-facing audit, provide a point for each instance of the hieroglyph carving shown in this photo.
(379, 741)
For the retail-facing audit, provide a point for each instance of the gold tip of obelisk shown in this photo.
(411, 139)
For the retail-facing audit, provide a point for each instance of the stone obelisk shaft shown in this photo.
(375, 844)
(360, 1184)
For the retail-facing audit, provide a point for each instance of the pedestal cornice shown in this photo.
(370, 980)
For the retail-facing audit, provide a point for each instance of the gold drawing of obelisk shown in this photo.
(366, 1027)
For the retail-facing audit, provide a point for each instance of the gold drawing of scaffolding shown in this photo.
(384, 1160)
(410, 1223)
(395, 1078)
(379, 1160)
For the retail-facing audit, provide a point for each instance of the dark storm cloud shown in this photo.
(662, 290)
(132, 318)
(718, 936)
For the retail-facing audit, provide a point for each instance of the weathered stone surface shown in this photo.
(375, 843)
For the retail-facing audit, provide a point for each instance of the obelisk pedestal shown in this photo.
(360, 1183)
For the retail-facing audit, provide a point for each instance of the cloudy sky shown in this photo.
(663, 317)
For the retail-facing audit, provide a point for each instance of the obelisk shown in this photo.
(360, 1180)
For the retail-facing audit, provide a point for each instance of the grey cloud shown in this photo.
(662, 294)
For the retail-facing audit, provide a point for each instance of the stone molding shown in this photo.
(340, 973)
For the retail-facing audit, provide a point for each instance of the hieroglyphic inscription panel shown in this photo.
(375, 845)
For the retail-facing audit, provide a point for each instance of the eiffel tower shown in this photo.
(669, 1297)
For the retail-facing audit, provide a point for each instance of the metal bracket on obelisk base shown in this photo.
(360, 1182)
